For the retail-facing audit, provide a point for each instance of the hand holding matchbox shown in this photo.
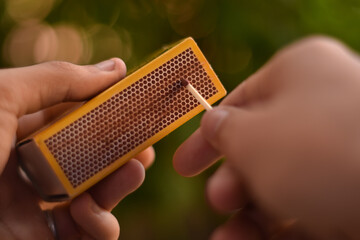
(71, 155)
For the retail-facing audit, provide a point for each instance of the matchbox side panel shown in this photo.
(129, 118)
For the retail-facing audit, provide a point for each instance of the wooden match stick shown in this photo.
(196, 94)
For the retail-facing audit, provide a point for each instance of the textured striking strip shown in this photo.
(129, 118)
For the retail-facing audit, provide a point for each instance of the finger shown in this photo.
(7, 130)
(36, 87)
(293, 232)
(146, 157)
(95, 221)
(225, 190)
(65, 225)
(29, 123)
(194, 155)
(249, 92)
(238, 227)
(272, 227)
(234, 131)
(119, 184)
(106, 194)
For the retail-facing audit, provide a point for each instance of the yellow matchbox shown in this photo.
(69, 156)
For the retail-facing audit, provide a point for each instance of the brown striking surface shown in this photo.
(129, 118)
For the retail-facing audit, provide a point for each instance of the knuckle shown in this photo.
(321, 46)
(64, 74)
(63, 66)
(112, 232)
(321, 43)
(301, 55)
(7, 97)
(66, 69)
(116, 233)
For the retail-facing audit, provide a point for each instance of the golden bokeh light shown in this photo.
(33, 42)
(71, 45)
(22, 10)
(20, 42)
(228, 56)
(107, 43)
(196, 18)
(46, 45)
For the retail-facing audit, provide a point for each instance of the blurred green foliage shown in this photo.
(237, 37)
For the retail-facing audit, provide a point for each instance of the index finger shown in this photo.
(196, 154)
(111, 190)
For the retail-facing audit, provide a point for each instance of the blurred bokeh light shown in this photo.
(236, 36)
(24, 10)
(33, 42)
(107, 42)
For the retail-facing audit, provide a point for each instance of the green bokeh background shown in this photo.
(237, 37)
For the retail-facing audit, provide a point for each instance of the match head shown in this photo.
(184, 82)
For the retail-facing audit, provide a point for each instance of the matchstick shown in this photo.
(196, 94)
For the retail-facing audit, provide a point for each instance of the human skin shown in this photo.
(29, 98)
(290, 136)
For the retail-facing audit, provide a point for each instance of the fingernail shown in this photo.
(213, 120)
(108, 65)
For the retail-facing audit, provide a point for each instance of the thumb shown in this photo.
(29, 89)
(229, 130)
